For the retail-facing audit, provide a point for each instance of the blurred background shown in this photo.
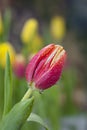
(27, 26)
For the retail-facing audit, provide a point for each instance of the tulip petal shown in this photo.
(45, 63)
(45, 52)
(50, 77)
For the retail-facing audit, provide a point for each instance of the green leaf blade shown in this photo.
(7, 87)
(18, 115)
(35, 118)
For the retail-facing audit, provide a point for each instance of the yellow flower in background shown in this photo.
(4, 48)
(29, 30)
(36, 44)
(1, 25)
(58, 27)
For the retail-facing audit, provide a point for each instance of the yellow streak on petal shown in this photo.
(51, 56)
(57, 54)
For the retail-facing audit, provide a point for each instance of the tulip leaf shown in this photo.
(17, 116)
(7, 86)
(35, 118)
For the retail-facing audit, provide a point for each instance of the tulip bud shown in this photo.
(4, 48)
(58, 27)
(29, 30)
(19, 66)
(45, 68)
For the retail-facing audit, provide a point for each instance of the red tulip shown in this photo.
(45, 68)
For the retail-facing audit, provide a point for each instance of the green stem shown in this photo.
(27, 94)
